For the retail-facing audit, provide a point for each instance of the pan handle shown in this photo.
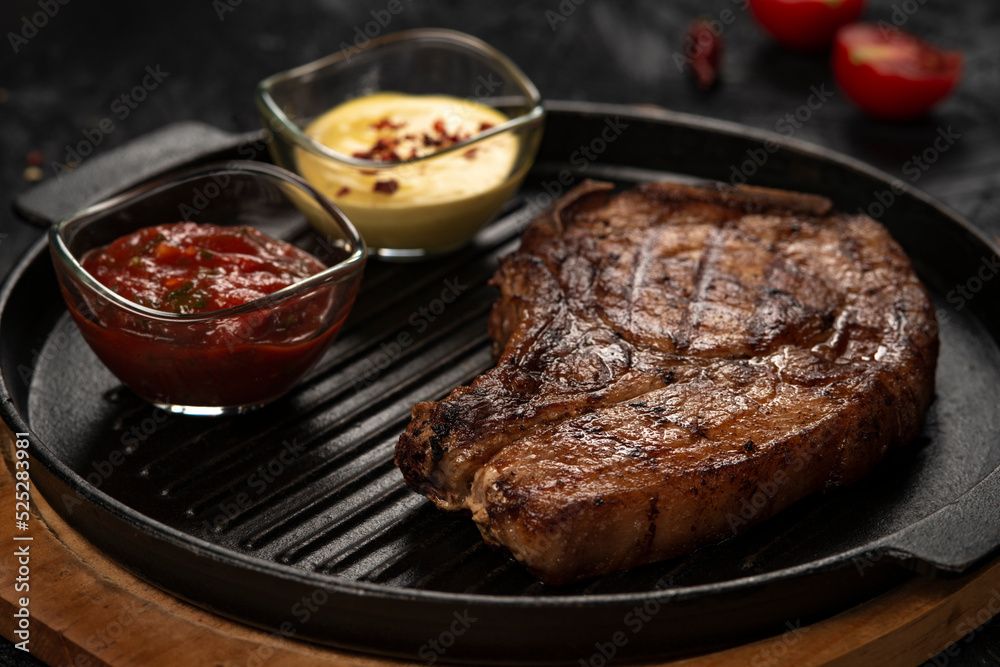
(139, 160)
(957, 536)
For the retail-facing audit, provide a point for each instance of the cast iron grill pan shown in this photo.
(300, 501)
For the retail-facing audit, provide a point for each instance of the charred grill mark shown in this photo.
(707, 270)
(441, 431)
(450, 414)
(640, 270)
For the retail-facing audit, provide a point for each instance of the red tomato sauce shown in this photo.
(188, 267)
(193, 268)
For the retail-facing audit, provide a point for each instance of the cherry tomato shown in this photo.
(891, 74)
(805, 25)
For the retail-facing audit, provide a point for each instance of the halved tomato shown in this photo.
(805, 25)
(891, 74)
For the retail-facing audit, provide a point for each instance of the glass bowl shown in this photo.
(224, 361)
(414, 221)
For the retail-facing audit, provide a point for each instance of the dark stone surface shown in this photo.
(71, 73)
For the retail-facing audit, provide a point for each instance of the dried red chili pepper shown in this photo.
(703, 48)
(385, 123)
(386, 187)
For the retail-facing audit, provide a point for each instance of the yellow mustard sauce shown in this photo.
(434, 204)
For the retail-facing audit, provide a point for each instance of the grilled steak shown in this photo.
(674, 365)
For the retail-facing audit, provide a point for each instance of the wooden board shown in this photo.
(86, 610)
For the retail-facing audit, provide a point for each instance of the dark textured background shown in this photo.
(65, 80)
